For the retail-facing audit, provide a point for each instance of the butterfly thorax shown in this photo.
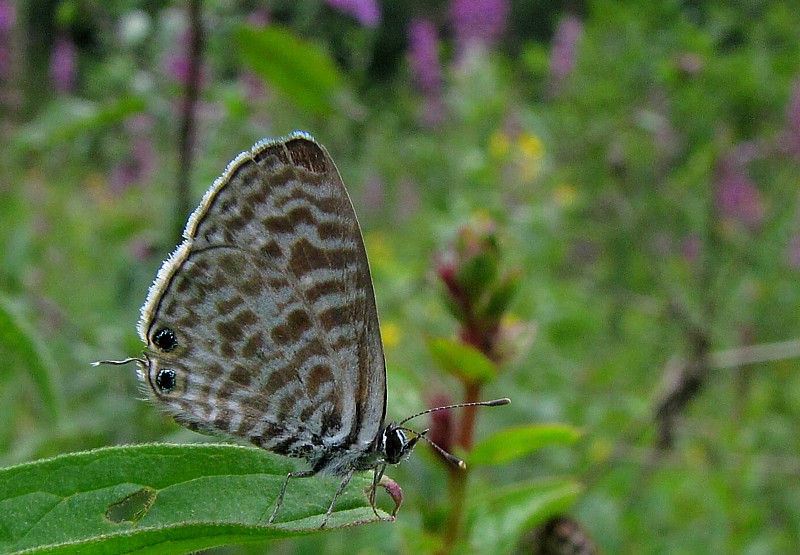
(389, 447)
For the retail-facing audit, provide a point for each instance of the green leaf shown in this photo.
(477, 274)
(500, 297)
(298, 69)
(164, 499)
(20, 348)
(454, 308)
(69, 118)
(513, 443)
(497, 521)
(463, 361)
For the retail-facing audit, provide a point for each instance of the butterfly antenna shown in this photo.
(120, 362)
(450, 457)
(494, 403)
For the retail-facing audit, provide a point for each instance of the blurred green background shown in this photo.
(639, 162)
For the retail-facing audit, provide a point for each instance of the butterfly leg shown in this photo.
(336, 495)
(279, 502)
(376, 478)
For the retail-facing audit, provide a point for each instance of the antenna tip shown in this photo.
(452, 459)
(498, 402)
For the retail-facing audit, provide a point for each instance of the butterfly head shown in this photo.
(396, 445)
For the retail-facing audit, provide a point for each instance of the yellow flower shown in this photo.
(499, 144)
(378, 248)
(565, 195)
(530, 145)
(600, 450)
(391, 334)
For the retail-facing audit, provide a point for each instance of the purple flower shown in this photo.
(565, 47)
(178, 67)
(423, 52)
(8, 17)
(177, 63)
(738, 198)
(141, 248)
(141, 162)
(5, 60)
(689, 63)
(374, 194)
(367, 12)
(136, 168)
(63, 65)
(253, 86)
(691, 248)
(478, 22)
(258, 19)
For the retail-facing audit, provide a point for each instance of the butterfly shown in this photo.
(262, 324)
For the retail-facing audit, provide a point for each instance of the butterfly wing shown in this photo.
(270, 305)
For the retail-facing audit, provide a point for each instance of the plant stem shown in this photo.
(457, 478)
(457, 486)
(467, 428)
(188, 116)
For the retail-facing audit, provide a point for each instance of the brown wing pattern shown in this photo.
(271, 303)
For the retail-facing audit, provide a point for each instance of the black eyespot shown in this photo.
(165, 380)
(165, 339)
(395, 443)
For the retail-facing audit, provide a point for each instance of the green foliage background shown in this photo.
(607, 188)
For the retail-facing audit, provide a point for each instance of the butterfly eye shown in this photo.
(165, 380)
(165, 339)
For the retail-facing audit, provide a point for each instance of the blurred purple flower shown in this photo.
(258, 18)
(367, 12)
(565, 48)
(738, 198)
(423, 52)
(689, 63)
(177, 63)
(141, 248)
(136, 168)
(374, 194)
(64, 65)
(141, 162)
(253, 85)
(408, 202)
(691, 248)
(8, 17)
(478, 22)
(5, 60)
(178, 67)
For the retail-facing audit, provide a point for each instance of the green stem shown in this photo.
(457, 478)
(457, 486)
